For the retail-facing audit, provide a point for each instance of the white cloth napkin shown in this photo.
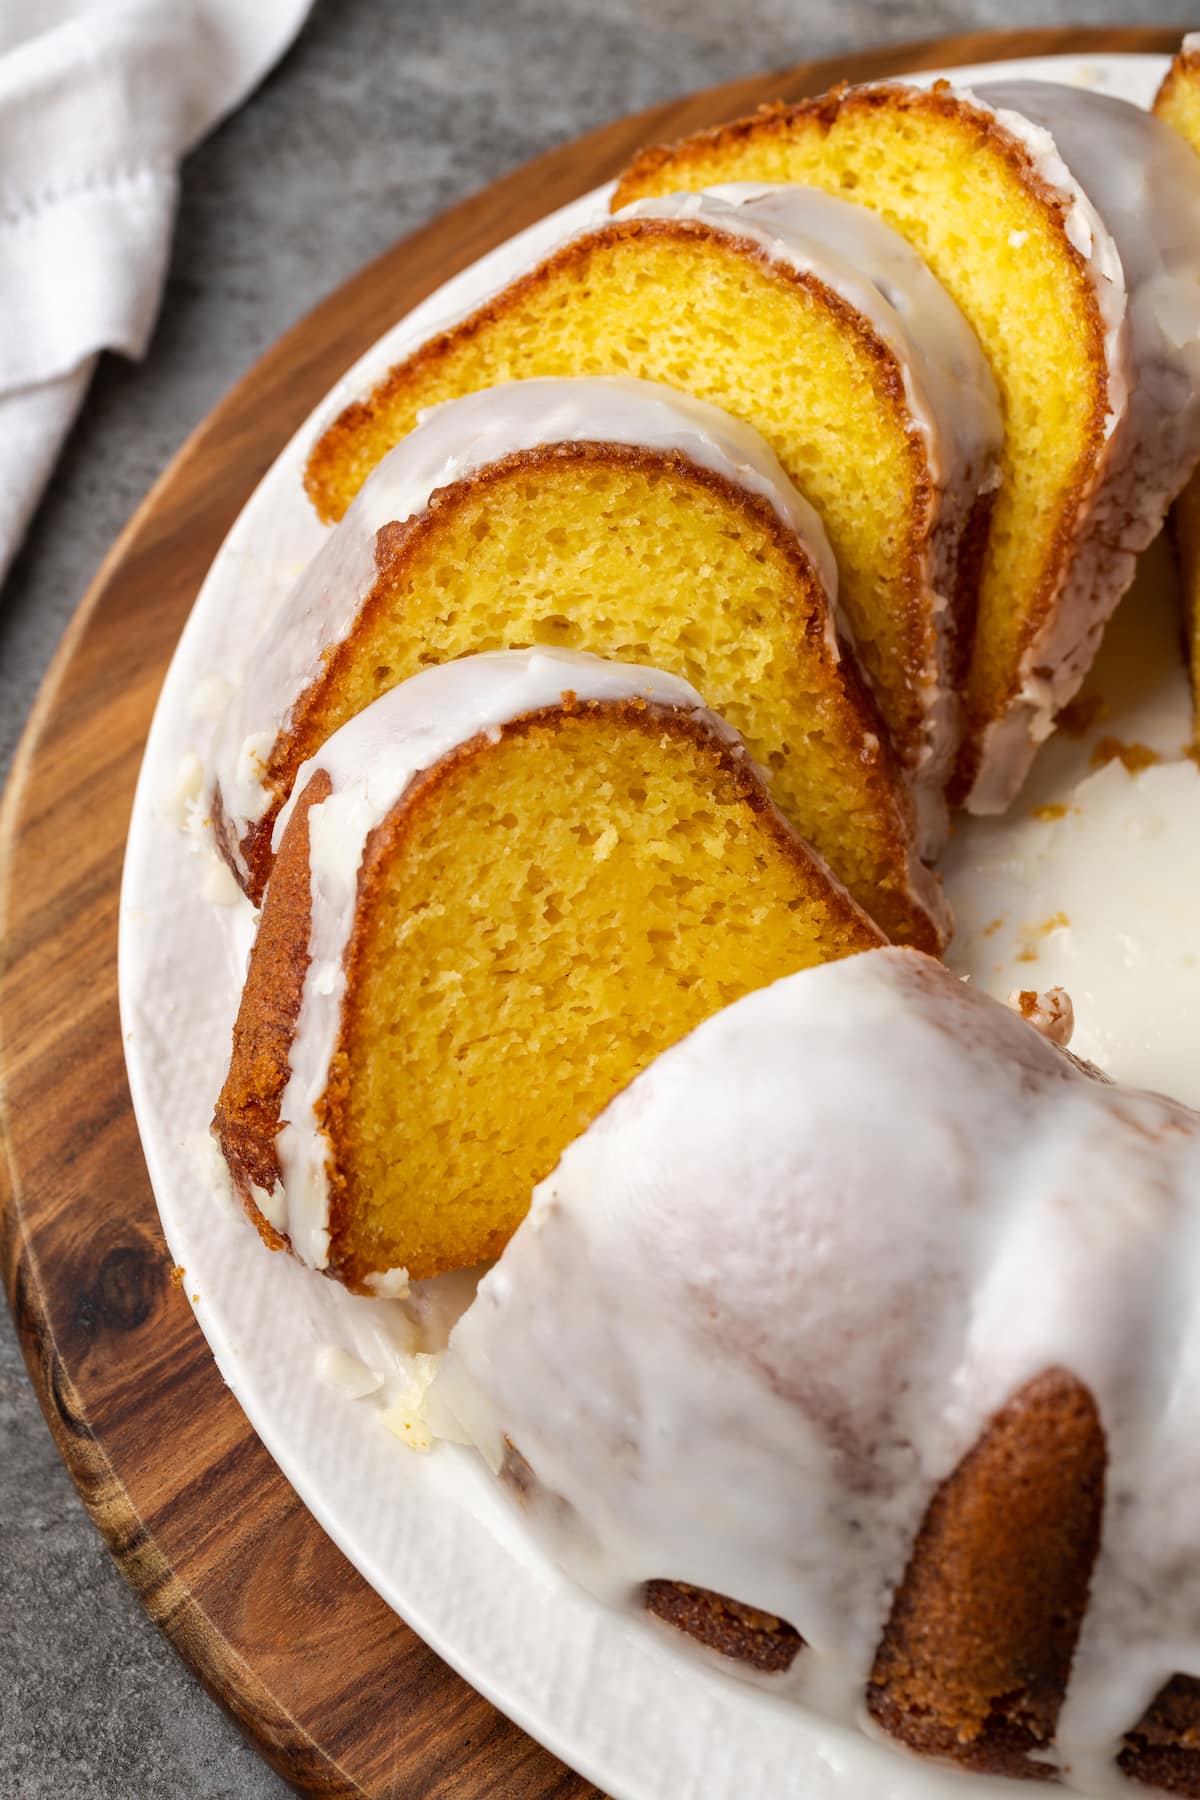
(99, 100)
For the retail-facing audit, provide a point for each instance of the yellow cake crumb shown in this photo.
(570, 975)
(1135, 757)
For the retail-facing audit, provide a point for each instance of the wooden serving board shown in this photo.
(338, 1694)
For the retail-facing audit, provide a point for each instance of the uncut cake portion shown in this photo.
(859, 1338)
(809, 319)
(499, 892)
(609, 515)
(1066, 225)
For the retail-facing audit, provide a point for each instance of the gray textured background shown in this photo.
(384, 113)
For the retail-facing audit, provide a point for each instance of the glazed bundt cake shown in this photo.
(807, 319)
(1178, 104)
(609, 515)
(1066, 224)
(500, 890)
(881, 1379)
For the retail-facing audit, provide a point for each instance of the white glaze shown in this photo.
(406, 1418)
(949, 388)
(393, 1284)
(1132, 189)
(371, 762)
(340, 1369)
(948, 384)
(1050, 1011)
(210, 697)
(1014, 106)
(187, 786)
(218, 884)
(673, 1339)
(453, 442)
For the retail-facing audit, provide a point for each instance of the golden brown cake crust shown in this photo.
(246, 1121)
(1164, 1751)
(399, 543)
(387, 842)
(975, 1657)
(726, 1626)
(779, 119)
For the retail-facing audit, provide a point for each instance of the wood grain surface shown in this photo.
(335, 1691)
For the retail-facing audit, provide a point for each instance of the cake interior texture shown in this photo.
(686, 305)
(1178, 100)
(944, 177)
(537, 920)
(651, 561)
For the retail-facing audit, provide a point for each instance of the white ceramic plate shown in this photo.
(430, 1533)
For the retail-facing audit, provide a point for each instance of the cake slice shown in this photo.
(1178, 104)
(806, 318)
(1066, 224)
(610, 515)
(500, 891)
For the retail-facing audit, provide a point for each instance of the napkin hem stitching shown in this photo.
(97, 185)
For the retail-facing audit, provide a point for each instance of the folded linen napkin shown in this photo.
(99, 100)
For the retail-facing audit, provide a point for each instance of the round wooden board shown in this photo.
(335, 1691)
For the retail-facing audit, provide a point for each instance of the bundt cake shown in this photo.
(812, 322)
(1178, 104)
(1066, 224)
(610, 515)
(859, 1337)
(499, 891)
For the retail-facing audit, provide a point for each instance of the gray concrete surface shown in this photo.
(384, 113)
